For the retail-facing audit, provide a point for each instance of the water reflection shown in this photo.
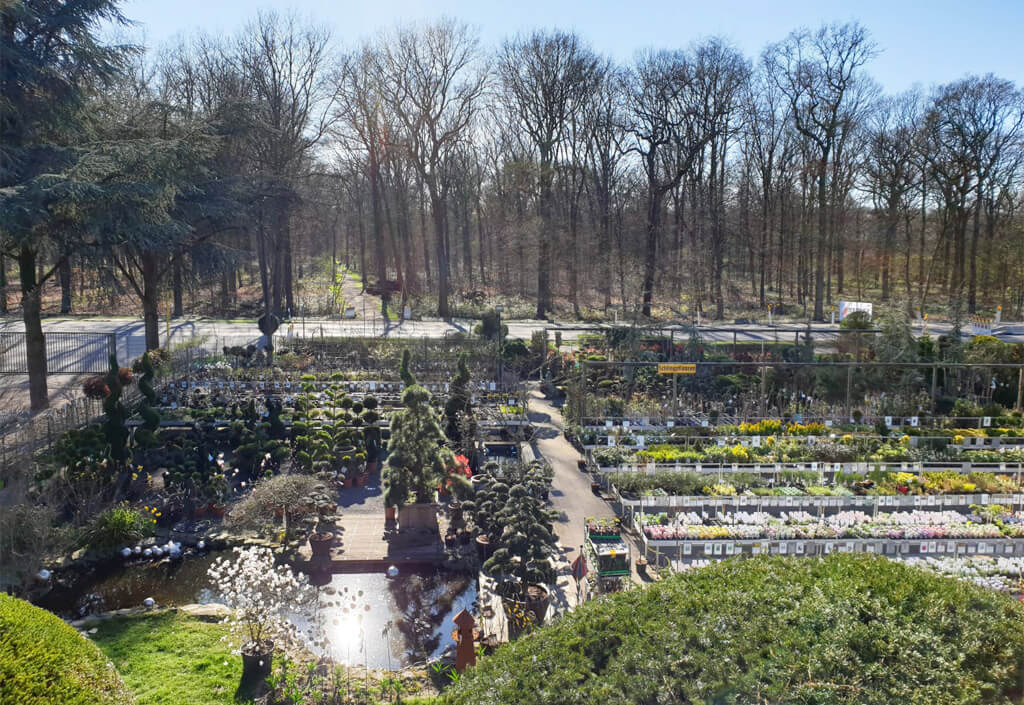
(370, 619)
(365, 618)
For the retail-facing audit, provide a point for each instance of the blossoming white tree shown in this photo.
(260, 594)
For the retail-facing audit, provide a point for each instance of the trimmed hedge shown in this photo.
(842, 630)
(44, 661)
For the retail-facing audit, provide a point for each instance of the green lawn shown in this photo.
(171, 659)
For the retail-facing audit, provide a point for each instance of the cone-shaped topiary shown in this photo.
(417, 459)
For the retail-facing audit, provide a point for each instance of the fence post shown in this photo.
(112, 345)
(1020, 387)
(849, 384)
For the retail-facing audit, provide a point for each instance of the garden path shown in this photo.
(571, 495)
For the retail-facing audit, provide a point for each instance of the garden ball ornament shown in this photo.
(392, 571)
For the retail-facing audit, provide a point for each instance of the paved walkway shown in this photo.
(571, 495)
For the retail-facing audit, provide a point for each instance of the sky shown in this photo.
(926, 42)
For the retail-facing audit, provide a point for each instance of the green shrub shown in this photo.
(842, 630)
(118, 526)
(44, 661)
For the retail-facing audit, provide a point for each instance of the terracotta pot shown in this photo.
(483, 547)
(256, 662)
(390, 513)
(217, 510)
(361, 479)
(321, 544)
(348, 481)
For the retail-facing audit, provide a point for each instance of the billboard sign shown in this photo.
(848, 307)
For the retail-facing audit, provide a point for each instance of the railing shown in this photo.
(23, 435)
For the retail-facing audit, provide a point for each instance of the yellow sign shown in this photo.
(675, 368)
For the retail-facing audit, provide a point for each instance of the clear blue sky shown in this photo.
(922, 41)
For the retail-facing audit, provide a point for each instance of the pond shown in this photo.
(369, 619)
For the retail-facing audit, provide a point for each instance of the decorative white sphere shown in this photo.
(44, 574)
(201, 545)
(125, 552)
(157, 551)
(392, 571)
(137, 550)
(148, 552)
(149, 602)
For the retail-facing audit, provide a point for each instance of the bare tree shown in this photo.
(546, 80)
(286, 64)
(818, 72)
(433, 78)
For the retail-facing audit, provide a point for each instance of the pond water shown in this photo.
(367, 618)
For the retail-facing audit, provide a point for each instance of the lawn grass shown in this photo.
(171, 659)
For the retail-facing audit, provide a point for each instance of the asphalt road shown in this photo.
(72, 354)
(183, 328)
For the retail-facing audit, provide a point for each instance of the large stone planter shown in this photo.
(418, 516)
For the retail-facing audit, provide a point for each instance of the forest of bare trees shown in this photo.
(689, 179)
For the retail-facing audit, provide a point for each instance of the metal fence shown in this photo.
(23, 435)
(66, 353)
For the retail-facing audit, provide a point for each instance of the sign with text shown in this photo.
(676, 368)
(848, 307)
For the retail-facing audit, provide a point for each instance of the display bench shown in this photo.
(813, 504)
(660, 552)
(825, 470)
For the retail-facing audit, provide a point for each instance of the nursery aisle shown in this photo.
(571, 495)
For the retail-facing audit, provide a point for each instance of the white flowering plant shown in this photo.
(260, 594)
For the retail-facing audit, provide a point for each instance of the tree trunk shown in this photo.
(437, 208)
(972, 273)
(64, 272)
(151, 301)
(3, 284)
(651, 246)
(378, 226)
(35, 341)
(544, 234)
(822, 242)
(177, 287)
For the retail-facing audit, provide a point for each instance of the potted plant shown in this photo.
(525, 549)
(259, 593)
(322, 537)
(417, 459)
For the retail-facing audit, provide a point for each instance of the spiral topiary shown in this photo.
(146, 436)
(114, 427)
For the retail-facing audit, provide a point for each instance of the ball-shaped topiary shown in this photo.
(43, 661)
(842, 630)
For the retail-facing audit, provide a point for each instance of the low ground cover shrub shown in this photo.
(842, 630)
(45, 661)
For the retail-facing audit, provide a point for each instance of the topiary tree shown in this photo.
(460, 402)
(406, 375)
(417, 458)
(526, 542)
(43, 660)
(146, 435)
(114, 427)
(522, 528)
